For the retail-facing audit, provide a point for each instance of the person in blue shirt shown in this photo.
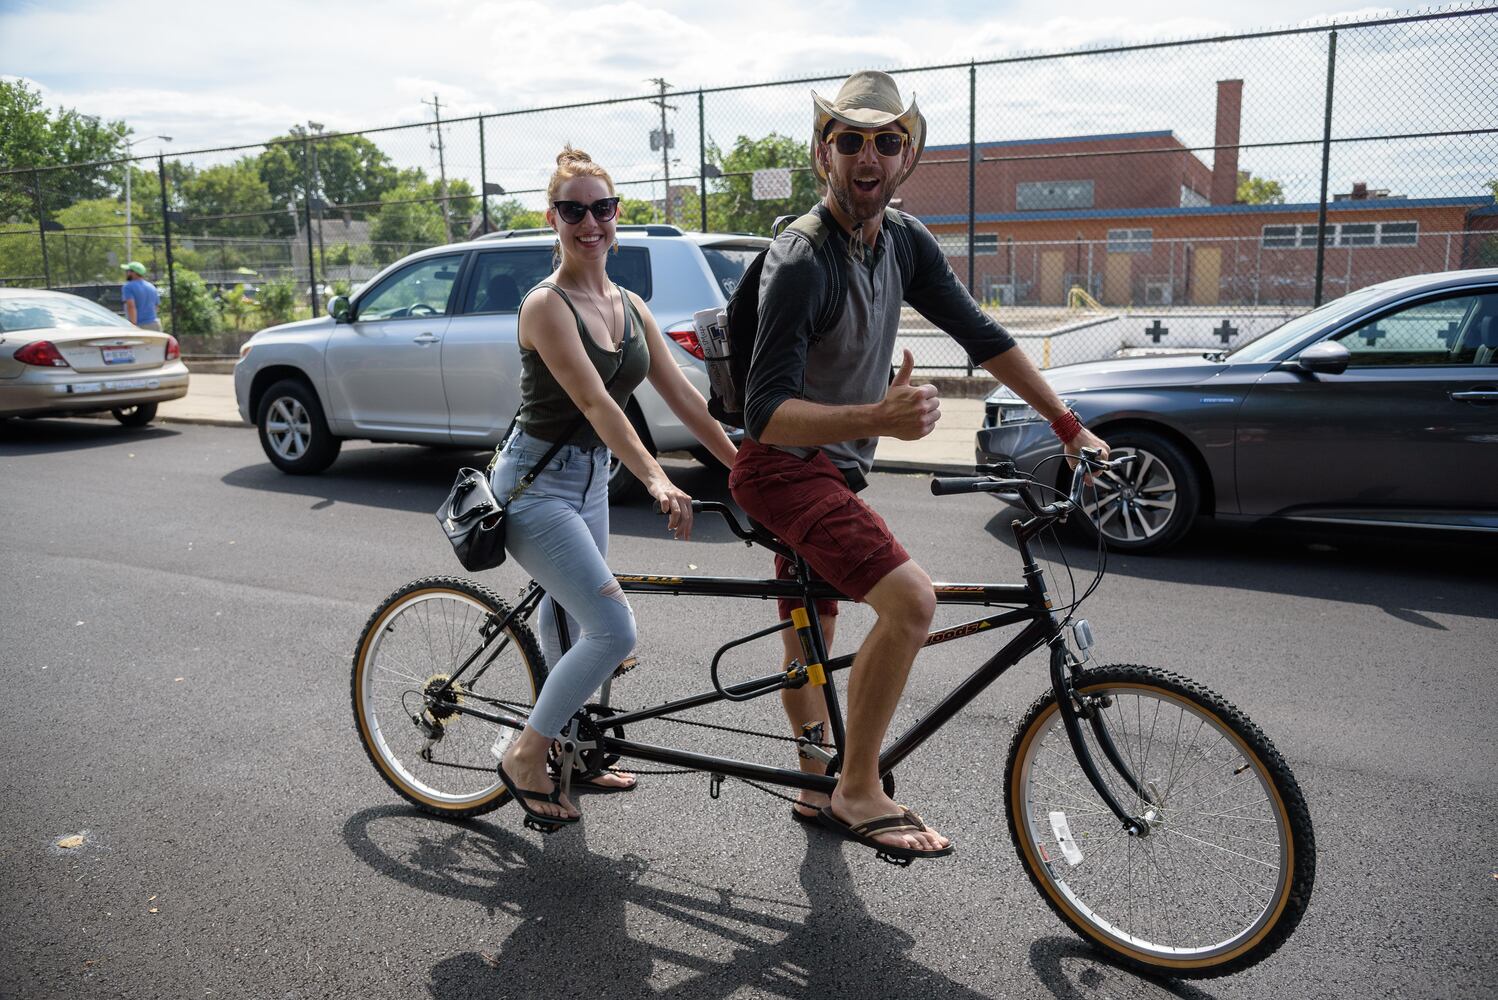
(141, 297)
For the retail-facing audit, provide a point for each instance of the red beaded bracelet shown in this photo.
(1067, 426)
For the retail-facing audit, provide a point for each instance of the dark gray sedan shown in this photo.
(1380, 408)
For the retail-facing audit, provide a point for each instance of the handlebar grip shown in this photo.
(949, 485)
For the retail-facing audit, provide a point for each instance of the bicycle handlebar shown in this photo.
(1020, 487)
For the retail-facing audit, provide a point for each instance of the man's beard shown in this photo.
(868, 206)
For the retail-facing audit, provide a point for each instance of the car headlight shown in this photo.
(1003, 408)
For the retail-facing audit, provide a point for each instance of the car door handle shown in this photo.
(1474, 394)
(425, 338)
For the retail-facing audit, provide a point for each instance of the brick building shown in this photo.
(1138, 219)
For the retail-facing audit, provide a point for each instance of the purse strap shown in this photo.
(572, 428)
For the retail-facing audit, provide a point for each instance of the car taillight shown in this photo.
(685, 334)
(43, 353)
(173, 351)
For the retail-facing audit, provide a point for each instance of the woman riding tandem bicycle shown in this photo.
(585, 345)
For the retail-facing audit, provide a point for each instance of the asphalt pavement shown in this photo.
(176, 639)
(949, 448)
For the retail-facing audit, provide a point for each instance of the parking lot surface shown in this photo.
(176, 642)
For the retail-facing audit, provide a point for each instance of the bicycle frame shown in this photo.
(1027, 603)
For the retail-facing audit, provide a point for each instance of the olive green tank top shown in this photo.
(546, 411)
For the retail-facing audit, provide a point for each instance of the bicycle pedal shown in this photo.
(540, 827)
(891, 860)
(625, 666)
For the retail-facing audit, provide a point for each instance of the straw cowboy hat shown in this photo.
(868, 99)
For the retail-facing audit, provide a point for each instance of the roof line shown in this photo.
(1147, 212)
(1053, 140)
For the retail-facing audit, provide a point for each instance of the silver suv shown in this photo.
(425, 351)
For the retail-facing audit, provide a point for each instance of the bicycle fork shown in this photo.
(1068, 703)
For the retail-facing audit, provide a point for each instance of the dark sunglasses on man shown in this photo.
(885, 143)
(572, 212)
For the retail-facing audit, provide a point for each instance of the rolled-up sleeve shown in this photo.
(790, 289)
(936, 294)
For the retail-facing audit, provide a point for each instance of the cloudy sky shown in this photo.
(211, 74)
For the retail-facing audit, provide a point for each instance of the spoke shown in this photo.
(1224, 850)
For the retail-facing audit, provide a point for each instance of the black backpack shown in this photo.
(743, 307)
(726, 404)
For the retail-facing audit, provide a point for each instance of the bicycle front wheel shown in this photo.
(409, 718)
(1225, 871)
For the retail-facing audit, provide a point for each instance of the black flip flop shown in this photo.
(865, 832)
(806, 819)
(534, 819)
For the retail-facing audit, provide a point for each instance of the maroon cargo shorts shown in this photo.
(807, 504)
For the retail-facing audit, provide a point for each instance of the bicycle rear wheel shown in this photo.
(1225, 872)
(434, 756)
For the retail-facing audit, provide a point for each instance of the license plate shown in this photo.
(118, 355)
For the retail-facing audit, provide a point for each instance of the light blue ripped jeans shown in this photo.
(558, 531)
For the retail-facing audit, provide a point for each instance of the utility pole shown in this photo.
(667, 140)
(436, 103)
(322, 261)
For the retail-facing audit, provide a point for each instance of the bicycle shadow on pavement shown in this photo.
(581, 931)
(1096, 977)
(1405, 574)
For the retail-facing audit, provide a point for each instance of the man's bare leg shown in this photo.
(905, 604)
(807, 705)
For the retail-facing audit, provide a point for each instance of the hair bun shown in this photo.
(570, 155)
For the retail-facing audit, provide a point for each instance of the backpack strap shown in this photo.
(898, 234)
(814, 229)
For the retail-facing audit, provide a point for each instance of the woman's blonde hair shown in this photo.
(574, 163)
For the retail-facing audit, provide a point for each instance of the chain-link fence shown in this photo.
(1176, 195)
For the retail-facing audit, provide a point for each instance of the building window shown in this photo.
(955, 244)
(1279, 237)
(1398, 234)
(1130, 240)
(1034, 196)
(1342, 234)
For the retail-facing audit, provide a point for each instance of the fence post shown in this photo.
(483, 177)
(702, 158)
(166, 237)
(41, 225)
(1326, 153)
(307, 220)
(972, 181)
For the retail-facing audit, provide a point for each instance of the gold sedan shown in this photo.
(62, 355)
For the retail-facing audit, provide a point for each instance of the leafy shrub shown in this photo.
(195, 310)
(277, 301)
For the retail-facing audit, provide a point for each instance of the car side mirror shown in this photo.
(1325, 358)
(340, 309)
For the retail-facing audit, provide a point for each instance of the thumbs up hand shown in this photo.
(908, 412)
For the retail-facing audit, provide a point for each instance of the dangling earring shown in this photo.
(615, 248)
(556, 254)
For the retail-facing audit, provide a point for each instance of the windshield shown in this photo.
(1282, 336)
(728, 264)
(46, 312)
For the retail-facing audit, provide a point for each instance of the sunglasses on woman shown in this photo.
(572, 212)
(885, 143)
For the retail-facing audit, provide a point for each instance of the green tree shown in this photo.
(511, 214)
(92, 230)
(1258, 190)
(410, 216)
(635, 212)
(350, 169)
(32, 136)
(732, 206)
(227, 189)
